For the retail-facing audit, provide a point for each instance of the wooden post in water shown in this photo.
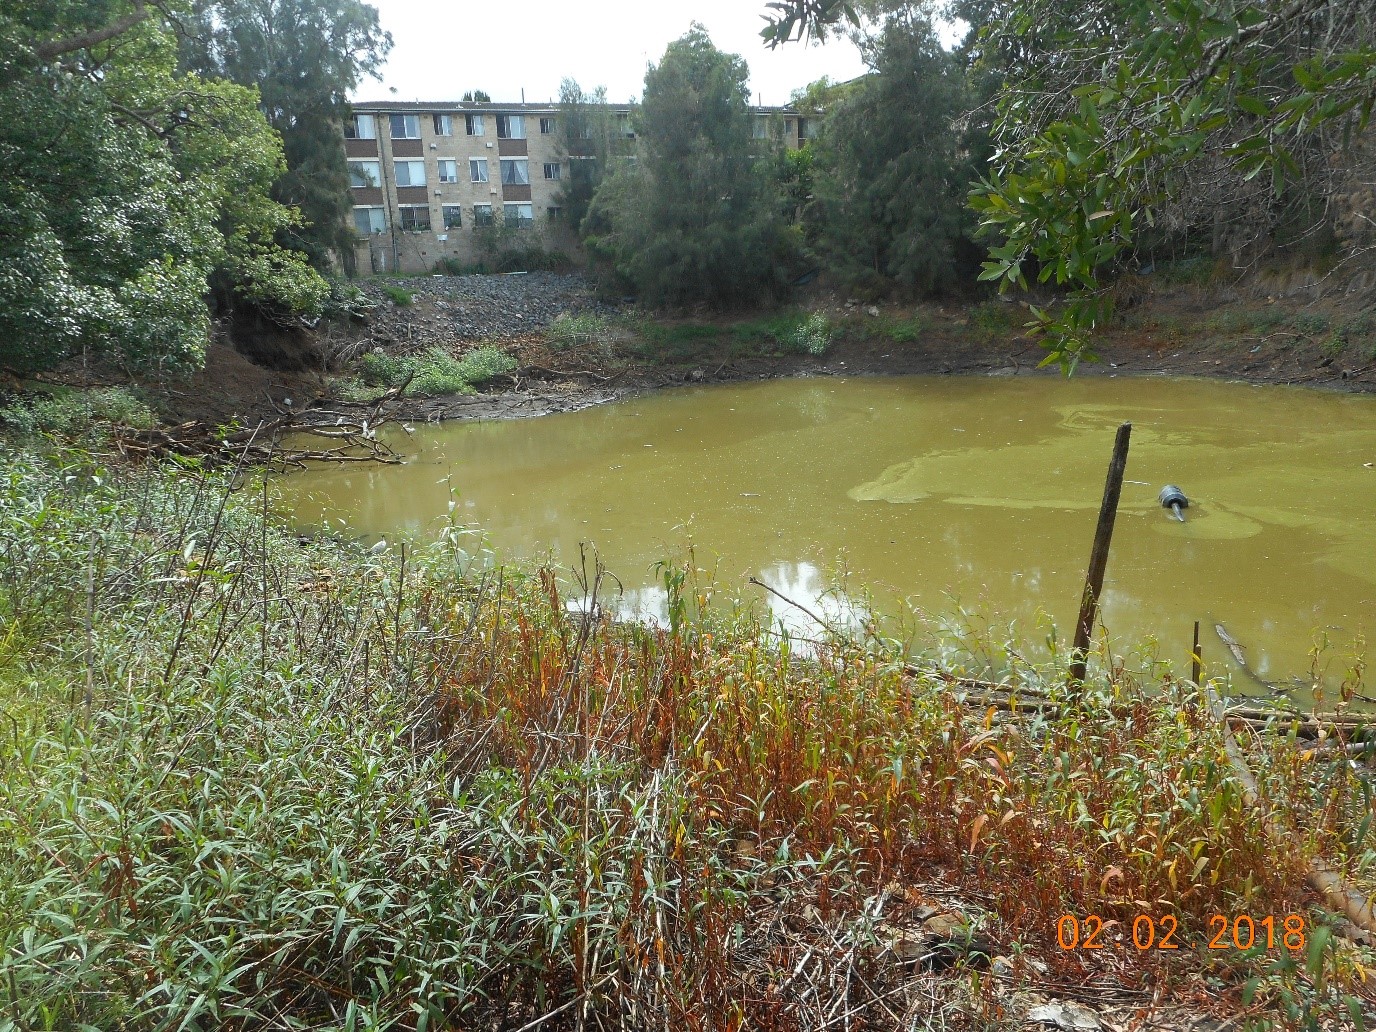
(1196, 660)
(1098, 556)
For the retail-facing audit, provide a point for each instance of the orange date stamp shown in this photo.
(1243, 932)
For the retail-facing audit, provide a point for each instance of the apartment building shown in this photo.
(426, 176)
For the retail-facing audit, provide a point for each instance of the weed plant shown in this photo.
(793, 331)
(435, 370)
(250, 782)
(569, 330)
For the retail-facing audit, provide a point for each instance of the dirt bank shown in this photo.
(1295, 337)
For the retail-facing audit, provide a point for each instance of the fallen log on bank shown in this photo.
(1016, 699)
(260, 445)
(340, 436)
(1337, 891)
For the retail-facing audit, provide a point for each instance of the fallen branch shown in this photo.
(1011, 698)
(354, 440)
(1339, 893)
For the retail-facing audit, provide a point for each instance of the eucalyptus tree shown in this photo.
(304, 57)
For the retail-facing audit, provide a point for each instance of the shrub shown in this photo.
(487, 363)
(400, 295)
(77, 415)
(436, 371)
(379, 369)
(1311, 323)
(993, 319)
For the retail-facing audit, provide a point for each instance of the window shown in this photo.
(515, 172)
(449, 170)
(808, 128)
(554, 212)
(511, 127)
(760, 129)
(552, 169)
(482, 214)
(364, 173)
(623, 126)
(788, 127)
(473, 124)
(453, 216)
(477, 170)
(444, 125)
(521, 216)
(405, 127)
(368, 221)
(415, 216)
(360, 127)
(410, 173)
(546, 126)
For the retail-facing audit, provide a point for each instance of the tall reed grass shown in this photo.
(251, 781)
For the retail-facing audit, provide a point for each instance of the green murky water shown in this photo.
(937, 491)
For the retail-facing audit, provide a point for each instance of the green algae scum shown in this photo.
(970, 495)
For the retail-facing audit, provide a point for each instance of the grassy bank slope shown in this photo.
(250, 782)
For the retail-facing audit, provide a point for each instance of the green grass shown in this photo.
(788, 332)
(1246, 321)
(992, 321)
(791, 331)
(247, 782)
(1197, 271)
(1311, 323)
(401, 297)
(435, 371)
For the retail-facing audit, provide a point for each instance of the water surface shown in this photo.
(932, 492)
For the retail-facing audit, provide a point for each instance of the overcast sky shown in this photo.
(443, 49)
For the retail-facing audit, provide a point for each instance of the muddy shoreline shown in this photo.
(538, 394)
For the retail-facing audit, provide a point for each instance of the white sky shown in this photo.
(445, 48)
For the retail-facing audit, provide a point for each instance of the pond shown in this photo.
(941, 493)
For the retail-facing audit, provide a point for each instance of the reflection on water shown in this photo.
(802, 597)
(927, 490)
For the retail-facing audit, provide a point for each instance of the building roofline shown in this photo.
(441, 107)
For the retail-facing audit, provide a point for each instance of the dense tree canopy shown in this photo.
(690, 216)
(1120, 117)
(892, 168)
(124, 187)
(304, 57)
